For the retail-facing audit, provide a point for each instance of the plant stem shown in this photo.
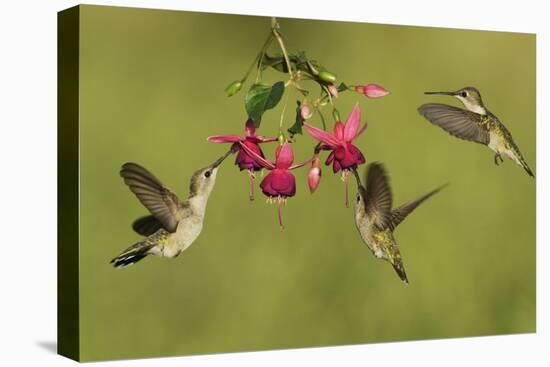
(322, 118)
(283, 114)
(275, 30)
(258, 57)
(328, 95)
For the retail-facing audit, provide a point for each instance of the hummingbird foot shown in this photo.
(498, 159)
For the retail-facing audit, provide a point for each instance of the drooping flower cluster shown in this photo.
(280, 184)
(294, 68)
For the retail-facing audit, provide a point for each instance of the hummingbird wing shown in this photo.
(378, 197)
(146, 225)
(456, 121)
(160, 201)
(399, 214)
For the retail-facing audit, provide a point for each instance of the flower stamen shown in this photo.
(345, 176)
(252, 176)
(281, 227)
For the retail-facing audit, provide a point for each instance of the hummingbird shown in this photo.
(173, 224)
(475, 123)
(376, 220)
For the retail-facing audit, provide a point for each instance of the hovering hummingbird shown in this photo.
(475, 123)
(376, 220)
(173, 225)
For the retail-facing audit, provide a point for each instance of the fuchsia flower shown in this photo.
(280, 183)
(344, 155)
(252, 142)
(372, 90)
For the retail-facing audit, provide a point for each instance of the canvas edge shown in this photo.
(68, 325)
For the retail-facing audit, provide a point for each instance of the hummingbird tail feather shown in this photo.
(526, 167)
(399, 214)
(131, 255)
(517, 157)
(400, 270)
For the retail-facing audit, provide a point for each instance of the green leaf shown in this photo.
(275, 62)
(342, 87)
(262, 97)
(299, 123)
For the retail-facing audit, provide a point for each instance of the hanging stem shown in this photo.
(283, 114)
(258, 57)
(275, 30)
(329, 95)
(322, 118)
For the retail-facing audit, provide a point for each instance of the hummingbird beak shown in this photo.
(444, 93)
(356, 174)
(221, 159)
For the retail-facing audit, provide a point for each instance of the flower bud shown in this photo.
(233, 88)
(372, 90)
(360, 89)
(333, 90)
(305, 111)
(314, 175)
(327, 76)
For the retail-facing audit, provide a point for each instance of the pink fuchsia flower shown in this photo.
(314, 174)
(280, 183)
(344, 156)
(372, 90)
(252, 141)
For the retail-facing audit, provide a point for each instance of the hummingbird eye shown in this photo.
(207, 174)
(358, 197)
(464, 94)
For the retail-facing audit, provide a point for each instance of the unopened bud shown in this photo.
(305, 111)
(314, 175)
(327, 76)
(372, 90)
(233, 88)
(333, 90)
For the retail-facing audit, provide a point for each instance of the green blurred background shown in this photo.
(152, 91)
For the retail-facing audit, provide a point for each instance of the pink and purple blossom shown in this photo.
(280, 183)
(252, 141)
(344, 156)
